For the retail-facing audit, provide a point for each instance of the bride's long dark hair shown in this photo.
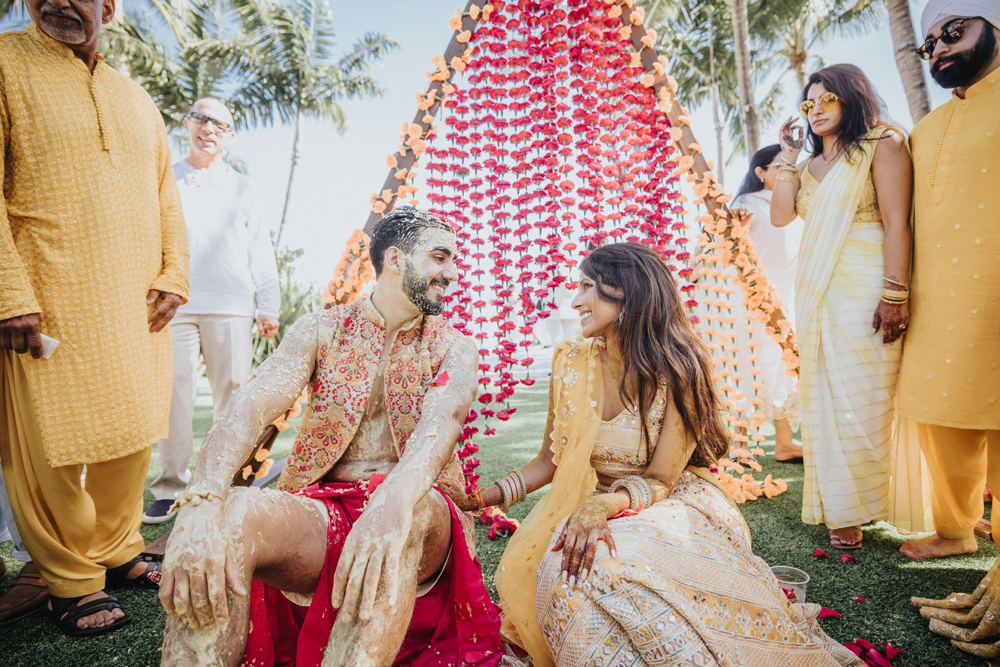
(657, 343)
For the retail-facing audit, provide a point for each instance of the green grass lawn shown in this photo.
(882, 575)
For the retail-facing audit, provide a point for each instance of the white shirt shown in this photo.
(231, 252)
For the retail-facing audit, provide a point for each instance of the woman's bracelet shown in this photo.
(894, 282)
(788, 180)
(192, 498)
(505, 493)
(895, 297)
(643, 485)
(639, 493)
(513, 489)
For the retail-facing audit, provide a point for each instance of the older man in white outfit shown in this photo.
(232, 261)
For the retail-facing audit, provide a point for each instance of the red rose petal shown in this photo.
(826, 613)
(866, 645)
(859, 599)
(876, 659)
(847, 558)
(440, 381)
(819, 553)
(891, 651)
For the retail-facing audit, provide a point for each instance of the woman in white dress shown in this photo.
(778, 250)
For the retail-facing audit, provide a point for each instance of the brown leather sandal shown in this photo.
(28, 594)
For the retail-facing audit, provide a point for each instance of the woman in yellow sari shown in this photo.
(854, 195)
(636, 555)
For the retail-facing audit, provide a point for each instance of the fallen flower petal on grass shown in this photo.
(866, 645)
(891, 651)
(819, 553)
(827, 613)
(876, 659)
(847, 558)
(859, 599)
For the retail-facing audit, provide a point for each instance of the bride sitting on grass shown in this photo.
(636, 555)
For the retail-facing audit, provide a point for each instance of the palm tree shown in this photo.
(194, 59)
(907, 60)
(741, 50)
(292, 53)
(696, 36)
(813, 22)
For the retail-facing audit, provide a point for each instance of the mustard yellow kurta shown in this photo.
(951, 360)
(91, 222)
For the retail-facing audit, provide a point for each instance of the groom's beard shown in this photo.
(416, 285)
(968, 64)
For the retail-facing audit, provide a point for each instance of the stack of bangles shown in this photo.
(895, 297)
(786, 168)
(639, 493)
(512, 488)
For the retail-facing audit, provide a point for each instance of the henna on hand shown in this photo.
(587, 525)
(792, 136)
(893, 319)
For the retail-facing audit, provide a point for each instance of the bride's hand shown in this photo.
(587, 525)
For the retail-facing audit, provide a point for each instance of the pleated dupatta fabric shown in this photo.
(848, 377)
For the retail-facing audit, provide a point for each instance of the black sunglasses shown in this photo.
(202, 118)
(950, 33)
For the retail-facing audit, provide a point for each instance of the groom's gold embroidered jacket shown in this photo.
(351, 340)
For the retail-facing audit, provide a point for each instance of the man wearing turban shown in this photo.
(950, 376)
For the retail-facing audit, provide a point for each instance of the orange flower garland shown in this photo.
(353, 272)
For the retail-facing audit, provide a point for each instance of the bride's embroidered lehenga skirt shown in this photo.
(685, 589)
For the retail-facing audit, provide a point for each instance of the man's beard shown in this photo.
(415, 285)
(967, 64)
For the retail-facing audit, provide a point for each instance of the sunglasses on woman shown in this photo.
(826, 102)
(950, 33)
(203, 118)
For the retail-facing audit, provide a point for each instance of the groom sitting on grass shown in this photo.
(359, 558)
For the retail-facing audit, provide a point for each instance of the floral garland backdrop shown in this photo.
(556, 141)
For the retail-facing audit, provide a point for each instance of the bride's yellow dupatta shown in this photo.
(574, 419)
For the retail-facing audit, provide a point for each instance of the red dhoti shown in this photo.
(455, 623)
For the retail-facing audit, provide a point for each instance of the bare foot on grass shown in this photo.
(939, 547)
(846, 538)
(784, 448)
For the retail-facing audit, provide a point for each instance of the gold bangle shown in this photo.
(788, 180)
(899, 294)
(522, 486)
(892, 303)
(505, 495)
(894, 282)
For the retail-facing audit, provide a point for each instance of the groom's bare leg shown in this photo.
(261, 524)
(376, 641)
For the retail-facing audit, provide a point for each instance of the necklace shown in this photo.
(831, 159)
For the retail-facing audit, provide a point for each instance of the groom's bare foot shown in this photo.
(939, 547)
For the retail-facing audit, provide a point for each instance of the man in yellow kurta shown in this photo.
(93, 253)
(950, 377)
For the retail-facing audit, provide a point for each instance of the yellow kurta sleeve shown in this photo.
(173, 276)
(16, 295)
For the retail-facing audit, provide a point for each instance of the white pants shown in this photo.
(226, 343)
